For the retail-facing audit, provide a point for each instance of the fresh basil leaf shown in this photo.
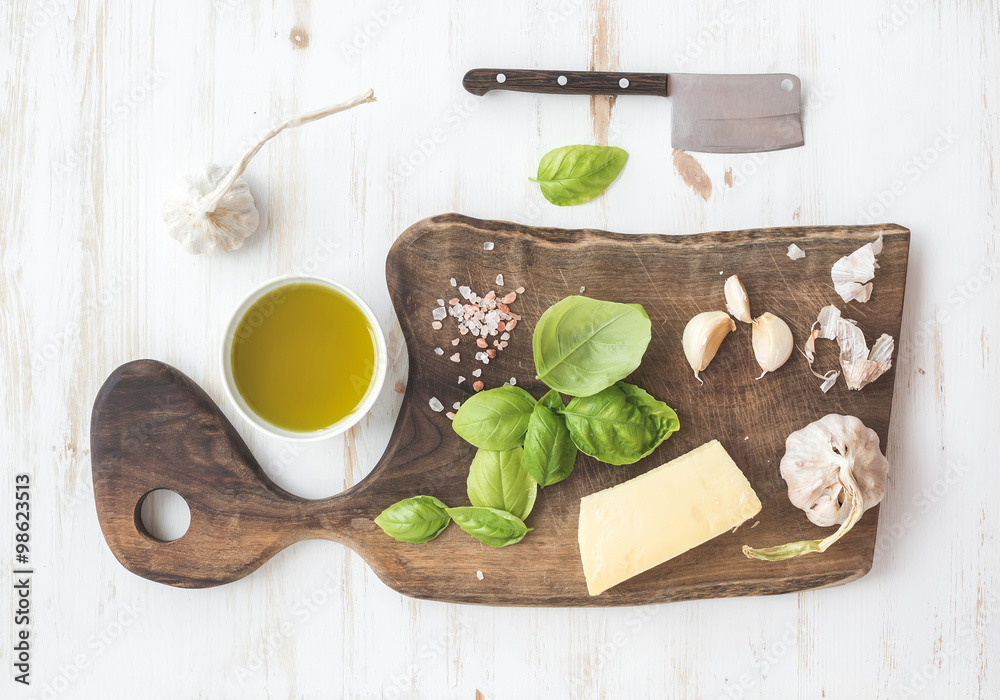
(620, 425)
(495, 419)
(498, 479)
(549, 452)
(582, 345)
(415, 520)
(494, 527)
(576, 174)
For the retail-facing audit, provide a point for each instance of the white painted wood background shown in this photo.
(104, 104)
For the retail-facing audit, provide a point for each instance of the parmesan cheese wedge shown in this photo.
(632, 527)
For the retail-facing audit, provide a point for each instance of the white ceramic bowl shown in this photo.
(374, 387)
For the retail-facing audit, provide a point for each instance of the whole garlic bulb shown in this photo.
(212, 210)
(224, 227)
(835, 471)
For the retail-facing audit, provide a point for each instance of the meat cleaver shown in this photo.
(711, 113)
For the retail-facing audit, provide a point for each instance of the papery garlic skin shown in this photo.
(794, 252)
(737, 301)
(703, 335)
(835, 471)
(772, 342)
(233, 220)
(852, 274)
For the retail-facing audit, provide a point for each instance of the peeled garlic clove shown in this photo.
(737, 301)
(772, 342)
(703, 335)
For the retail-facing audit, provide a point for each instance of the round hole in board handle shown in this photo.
(787, 85)
(501, 78)
(562, 80)
(164, 514)
(623, 83)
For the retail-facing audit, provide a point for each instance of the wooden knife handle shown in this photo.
(479, 81)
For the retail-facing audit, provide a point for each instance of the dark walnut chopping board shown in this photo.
(154, 428)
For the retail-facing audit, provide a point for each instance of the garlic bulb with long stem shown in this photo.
(835, 471)
(212, 209)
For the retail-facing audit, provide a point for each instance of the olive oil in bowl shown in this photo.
(305, 356)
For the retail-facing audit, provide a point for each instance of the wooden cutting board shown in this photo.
(154, 428)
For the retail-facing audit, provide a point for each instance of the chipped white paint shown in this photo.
(104, 104)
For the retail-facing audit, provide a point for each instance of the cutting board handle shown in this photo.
(479, 81)
(154, 428)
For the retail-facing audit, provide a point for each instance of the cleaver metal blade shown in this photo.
(712, 113)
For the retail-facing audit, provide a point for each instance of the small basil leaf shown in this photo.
(495, 419)
(620, 425)
(549, 452)
(582, 346)
(494, 527)
(576, 174)
(498, 479)
(415, 520)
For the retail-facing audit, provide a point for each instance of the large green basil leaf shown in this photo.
(415, 520)
(495, 419)
(496, 528)
(620, 425)
(582, 345)
(549, 452)
(576, 174)
(498, 479)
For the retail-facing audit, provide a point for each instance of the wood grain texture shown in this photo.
(154, 428)
(90, 280)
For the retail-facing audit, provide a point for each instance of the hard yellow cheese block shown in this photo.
(632, 527)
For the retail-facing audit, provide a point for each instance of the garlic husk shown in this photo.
(860, 365)
(772, 342)
(212, 210)
(794, 252)
(703, 335)
(737, 301)
(835, 471)
(852, 274)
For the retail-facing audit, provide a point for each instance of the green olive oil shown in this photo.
(303, 357)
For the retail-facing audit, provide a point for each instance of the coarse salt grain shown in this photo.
(500, 280)
(456, 357)
(478, 386)
(438, 351)
(457, 405)
(435, 404)
(436, 325)
(477, 372)
(450, 415)
(439, 314)
(582, 290)
(513, 381)
(461, 379)
(453, 282)
(456, 341)
(519, 290)
(479, 575)
(488, 245)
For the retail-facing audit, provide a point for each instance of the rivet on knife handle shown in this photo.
(479, 81)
